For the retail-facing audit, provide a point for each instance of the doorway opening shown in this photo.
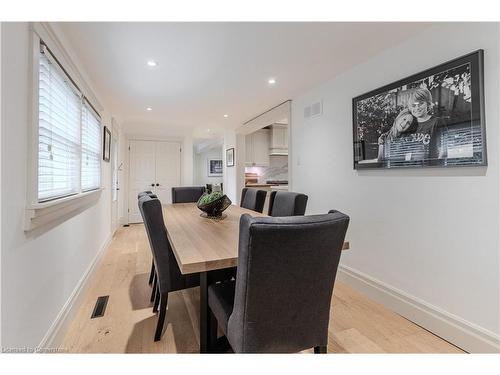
(208, 163)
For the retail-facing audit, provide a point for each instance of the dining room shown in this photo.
(295, 188)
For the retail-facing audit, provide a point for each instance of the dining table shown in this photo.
(204, 245)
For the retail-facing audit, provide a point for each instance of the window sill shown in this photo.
(40, 214)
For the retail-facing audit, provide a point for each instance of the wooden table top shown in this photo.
(201, 244)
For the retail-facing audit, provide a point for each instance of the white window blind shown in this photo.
(58, 131)
(91, 149)
(69, 135)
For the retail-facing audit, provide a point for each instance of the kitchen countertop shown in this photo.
(271, 186)
(279, 187)
(258, 185)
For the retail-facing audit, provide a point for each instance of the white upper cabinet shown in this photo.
(279, 139)
(257, 148)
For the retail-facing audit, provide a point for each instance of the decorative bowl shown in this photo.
(214, 208)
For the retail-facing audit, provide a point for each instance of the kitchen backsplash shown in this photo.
(277, 170)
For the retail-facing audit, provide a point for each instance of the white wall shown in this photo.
(0, 185)
(201, 177)
(431, 235)
(40, 270)
(187, 168)
(234, 177)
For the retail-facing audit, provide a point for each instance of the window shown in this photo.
(69, 134)
(91, 149)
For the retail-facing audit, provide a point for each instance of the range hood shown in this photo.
(279, 140)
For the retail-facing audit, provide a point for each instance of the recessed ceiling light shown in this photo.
(149, 109)
(271, 81)
(152, 63)
(226, 116)
(208, 130)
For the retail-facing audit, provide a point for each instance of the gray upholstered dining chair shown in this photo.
(145, 192)
(280, 300)
(287, 203)
(187, 194)
(168, 276)
(253, 199)
(152, 272)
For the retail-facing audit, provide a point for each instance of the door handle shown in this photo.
(152, 184)
(157, 184)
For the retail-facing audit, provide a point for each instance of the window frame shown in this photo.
(87, 105)
(42, 213)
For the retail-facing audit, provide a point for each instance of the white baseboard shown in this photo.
(466, 335)
(55, 335)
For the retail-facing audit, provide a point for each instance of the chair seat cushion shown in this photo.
(221, 301)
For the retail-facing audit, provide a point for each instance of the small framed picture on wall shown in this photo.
(214, 167)
(230, 157)
(106, 145)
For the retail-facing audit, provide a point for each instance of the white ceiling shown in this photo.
(206, 70)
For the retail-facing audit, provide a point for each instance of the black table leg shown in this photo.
(204, 324)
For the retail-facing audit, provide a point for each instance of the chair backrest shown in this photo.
(157, 234)
(167, 270)
(287, 203)
(140, 201)
(253, 199)
(140, 196)
(284, 283)
(187, 194)
(146, 192)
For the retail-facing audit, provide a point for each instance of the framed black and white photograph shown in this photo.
(230, 157)
(433, 118)
(106, 145)
(214, 167)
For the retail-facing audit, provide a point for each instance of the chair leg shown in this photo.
(153, 292)
(212, 331)
(152, 273)
(161, 317)
(157, 300)
(320, 349)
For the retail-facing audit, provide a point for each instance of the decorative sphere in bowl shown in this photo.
(213, 204)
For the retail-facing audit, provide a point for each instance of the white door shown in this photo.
(168, 171)
(154, 166)
(142, 174)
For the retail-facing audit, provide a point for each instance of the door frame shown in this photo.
(179, 140)
(115, 135)
(266, 118)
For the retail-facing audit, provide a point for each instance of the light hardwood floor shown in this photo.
(357, 324)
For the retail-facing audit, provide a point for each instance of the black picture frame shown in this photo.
(214, 167)
(460, 140)
(230, 157)
(106, 145)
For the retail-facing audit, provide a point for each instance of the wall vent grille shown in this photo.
(313, 110)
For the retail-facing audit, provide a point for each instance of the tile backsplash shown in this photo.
(277, 170)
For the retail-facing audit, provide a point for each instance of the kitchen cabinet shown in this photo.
(257, 149)
(279, 139)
